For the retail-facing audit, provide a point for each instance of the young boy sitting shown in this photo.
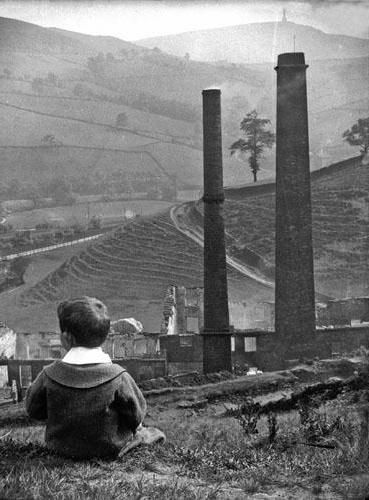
(93, 407)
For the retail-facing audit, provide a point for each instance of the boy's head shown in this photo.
(85, 320)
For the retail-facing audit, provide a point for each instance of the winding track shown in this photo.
(196, 236)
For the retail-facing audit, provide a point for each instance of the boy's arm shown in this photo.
(36, 405)
(129, 402)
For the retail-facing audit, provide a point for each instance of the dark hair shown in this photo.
(86, 318)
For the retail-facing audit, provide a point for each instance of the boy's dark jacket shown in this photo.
(91, 410)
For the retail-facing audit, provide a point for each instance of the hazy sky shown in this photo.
(131, 20)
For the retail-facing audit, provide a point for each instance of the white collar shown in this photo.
(85, 356)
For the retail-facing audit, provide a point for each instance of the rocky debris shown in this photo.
(200, 403)
(303, 395)
(7, 342)
(185, 380)
(321, 369)
(324, 377)
(220, 390)
(127, 326)
(334, 379)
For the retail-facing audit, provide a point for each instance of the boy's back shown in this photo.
(92, 410)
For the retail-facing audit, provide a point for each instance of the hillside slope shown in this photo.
(340, 226)
(73, 86)
(258, 42)
(26, 37)
(131, 270)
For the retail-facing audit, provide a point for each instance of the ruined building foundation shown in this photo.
(294, 292)
(216, 335)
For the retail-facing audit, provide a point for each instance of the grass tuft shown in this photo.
(206, 456)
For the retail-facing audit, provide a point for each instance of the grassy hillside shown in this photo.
(99, 112)
(27, 128)
(77, 98)
(109, 212)
(42, 163)
(29, 38)
(131, 270)
(258, 42)
(73, 86)
(340, 227)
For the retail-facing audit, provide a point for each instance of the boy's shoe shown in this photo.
(143, 435)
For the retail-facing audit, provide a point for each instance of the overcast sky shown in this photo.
(132, 20)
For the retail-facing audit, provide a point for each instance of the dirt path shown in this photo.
(197, 236)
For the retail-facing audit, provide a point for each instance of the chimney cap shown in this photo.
(291, 59)
(211, 91)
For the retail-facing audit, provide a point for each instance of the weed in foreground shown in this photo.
(39, 475)
(215, 452)
(248, 414)
(356, 488)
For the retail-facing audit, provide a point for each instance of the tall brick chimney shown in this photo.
(216, 336)
(294, 291)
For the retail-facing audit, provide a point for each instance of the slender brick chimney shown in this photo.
(216, 336)
(294, 292)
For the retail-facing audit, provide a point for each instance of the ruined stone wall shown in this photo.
(265, 357)
(144, 368)
(182, 348)
(40, 345)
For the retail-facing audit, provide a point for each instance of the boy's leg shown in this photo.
(143, 435)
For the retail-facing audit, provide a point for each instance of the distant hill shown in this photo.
(258, 42)
(73, 86)
(21, 36)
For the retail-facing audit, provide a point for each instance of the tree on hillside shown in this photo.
(51, 78)
(37, 85)
(60, 189)
(79, 90)
(110, 57)
(121, 120)
(358, 135)
(96, 64)
(49, 140)
(257, 139)
(94, 222)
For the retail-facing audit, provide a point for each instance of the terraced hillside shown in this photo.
(131, 269)
(340, 203)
